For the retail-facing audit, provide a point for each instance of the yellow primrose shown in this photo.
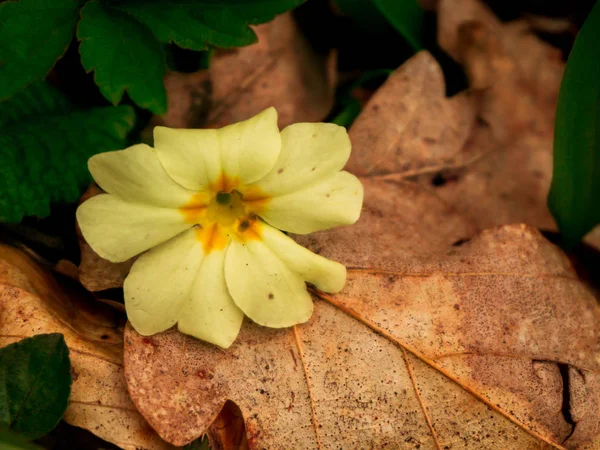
(207, 207)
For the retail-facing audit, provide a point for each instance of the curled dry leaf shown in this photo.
(280, 70)
(436, 342)
(412, 128)
(32, 302)
(518, 76)
(519, 73)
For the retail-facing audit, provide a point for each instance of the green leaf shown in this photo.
(406, 16)
(44, 147)
(12, 441)
(35, 383)
(196, 24)
(34, 34)
(124, 55)
(574, 198)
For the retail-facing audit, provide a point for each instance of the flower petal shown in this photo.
(326, 275)
(310, 152)
(250, 148)
(210, 314)
(337, 200)
(118, 230)
(262, 286)
(190, 157)
(136, 175)
(160, 283)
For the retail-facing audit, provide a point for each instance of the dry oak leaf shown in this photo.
(519, 73)
(488, 343)
(411, 128)
(280, 70)
(518, 77)
(32, 302)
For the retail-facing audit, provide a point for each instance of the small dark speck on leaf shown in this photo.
(460, 242)
(438, 180)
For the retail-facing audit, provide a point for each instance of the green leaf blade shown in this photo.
(407, 17)
(12, 441)
(574, 197)
(44, 147)
(33, 36)
(376, 16)
(35, 384)
(198, 24)
(124, 56)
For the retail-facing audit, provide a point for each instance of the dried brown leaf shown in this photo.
(519, 77)
(436, 341)
(412, 128)
(462, 349)
(32, 302)
(280, 70)
(519, 73)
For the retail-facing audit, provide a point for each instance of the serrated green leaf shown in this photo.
(124, 55)
(45, 145)
(574, 197)
(406, 16)
(35, 383)
(196, 24)
(34, 34)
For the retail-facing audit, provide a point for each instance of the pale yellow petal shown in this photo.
(326, 275)
(160, 283)
(136, 175)
(263, 287)
(210, 313)
(250, 148)
(190, 157)
(334, 201)
(118, 230)
(310, 152)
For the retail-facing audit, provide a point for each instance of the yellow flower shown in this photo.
(206, 206)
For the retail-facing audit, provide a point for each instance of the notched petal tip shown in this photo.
(221, 341)
(87, 216)
(284, 321)
(358, 196)
(211, 314)
(334, 279)
(249, 149)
